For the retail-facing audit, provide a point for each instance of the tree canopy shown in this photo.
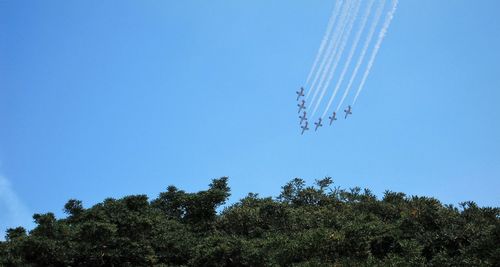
(319, 225)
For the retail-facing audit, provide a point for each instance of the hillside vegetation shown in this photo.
(320, 225)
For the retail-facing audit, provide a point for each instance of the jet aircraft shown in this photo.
(348, 111)
(300, 93)
(318, 124)
(333, 118)
(303, 118)
(302, 105)
(304, 128)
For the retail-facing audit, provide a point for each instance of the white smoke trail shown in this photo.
(332, 46)
(371, 32)
(351, 54)
(338, 55)
(381, 36)
(331, 54)
(325, 39)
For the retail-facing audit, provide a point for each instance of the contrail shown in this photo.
(371, 32)
(345, 38)
(326, 37)
(331, 47)
(381, 36)
(351, 54)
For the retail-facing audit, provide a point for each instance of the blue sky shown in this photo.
(110, 98)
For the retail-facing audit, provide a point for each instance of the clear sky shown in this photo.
(110, 98)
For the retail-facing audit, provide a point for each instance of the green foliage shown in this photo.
(317, 225)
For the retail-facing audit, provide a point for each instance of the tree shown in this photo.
(318, 225)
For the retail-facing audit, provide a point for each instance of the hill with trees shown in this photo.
(320, 225)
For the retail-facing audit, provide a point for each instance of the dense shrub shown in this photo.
(317, 225)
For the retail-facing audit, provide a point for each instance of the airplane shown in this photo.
(303, 118)
(318, 124)
(304, 128)
(348, 111)
(300, 93)
(333, 118)
(302, 105)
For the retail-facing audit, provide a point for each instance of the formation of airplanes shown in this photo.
(304, 124)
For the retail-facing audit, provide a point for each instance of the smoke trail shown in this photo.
(326, 37)
(351, 54)
(332, 52)
(381, 36)
(332, 46)
(371, 32)
(338, 55)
